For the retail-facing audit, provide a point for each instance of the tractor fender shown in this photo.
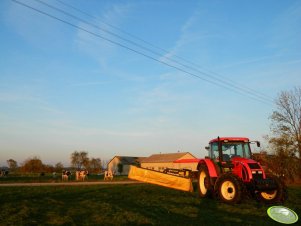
(210, 166)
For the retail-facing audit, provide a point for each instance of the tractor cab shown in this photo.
(225, 149)
(226, 152)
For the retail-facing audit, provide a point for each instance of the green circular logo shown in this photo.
(282, 214)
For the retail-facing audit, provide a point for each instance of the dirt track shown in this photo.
(68, 183)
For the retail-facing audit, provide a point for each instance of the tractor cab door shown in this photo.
(219, 161)
(220, 154)
(213, 151)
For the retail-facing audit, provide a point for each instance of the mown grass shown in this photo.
(135, 204)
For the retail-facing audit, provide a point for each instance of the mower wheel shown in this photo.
(204, 184)
(229, 188)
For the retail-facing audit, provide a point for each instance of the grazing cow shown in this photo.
(108, 175)
(81, 175)
(65, 175)
(3, 173)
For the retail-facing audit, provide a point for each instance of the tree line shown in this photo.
(78, 159)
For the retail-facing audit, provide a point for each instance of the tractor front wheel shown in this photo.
(229, 188)
(278, 195)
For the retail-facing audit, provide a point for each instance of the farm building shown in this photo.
(121, 164)
(160, 162)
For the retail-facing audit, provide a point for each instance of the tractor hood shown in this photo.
(247, 169)
(243, 160)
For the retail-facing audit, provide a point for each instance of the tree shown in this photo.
(286, 120)
(284, 162)
(12, 164)
(286, 133)
(95, 165)
(33, 165)
(79, 159)
(58, 167)
(48, 168)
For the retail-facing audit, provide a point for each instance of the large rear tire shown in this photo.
(204, 184)
(279, 195)
(229, 188)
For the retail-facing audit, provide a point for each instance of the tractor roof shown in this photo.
(243, 139)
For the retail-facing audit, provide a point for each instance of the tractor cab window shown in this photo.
(230, 150)
(235, 149)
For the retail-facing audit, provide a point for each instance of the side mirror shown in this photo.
(258, 143)
(207, 148)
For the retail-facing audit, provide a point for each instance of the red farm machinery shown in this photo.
(228, 173)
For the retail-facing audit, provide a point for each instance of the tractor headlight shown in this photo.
(256, 172)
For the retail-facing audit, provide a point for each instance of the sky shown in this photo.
(137, 78)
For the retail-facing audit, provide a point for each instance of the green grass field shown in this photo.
(135, 204)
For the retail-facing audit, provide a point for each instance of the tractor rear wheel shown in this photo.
(204, 184)
(229, 188)
(278, 195)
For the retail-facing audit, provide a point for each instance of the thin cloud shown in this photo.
(285, 33)
(83, 84)
(191, 35)
(97, 48)
(186, 36)
(36, 29)
(15, 97)
(162, 100)
(293, 62)
(252, 60)
(27, 99)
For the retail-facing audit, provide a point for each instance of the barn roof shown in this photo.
(170, 157)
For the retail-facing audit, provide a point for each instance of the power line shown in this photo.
(135, 51)
(212, 74)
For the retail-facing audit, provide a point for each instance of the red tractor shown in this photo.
(229, 173)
